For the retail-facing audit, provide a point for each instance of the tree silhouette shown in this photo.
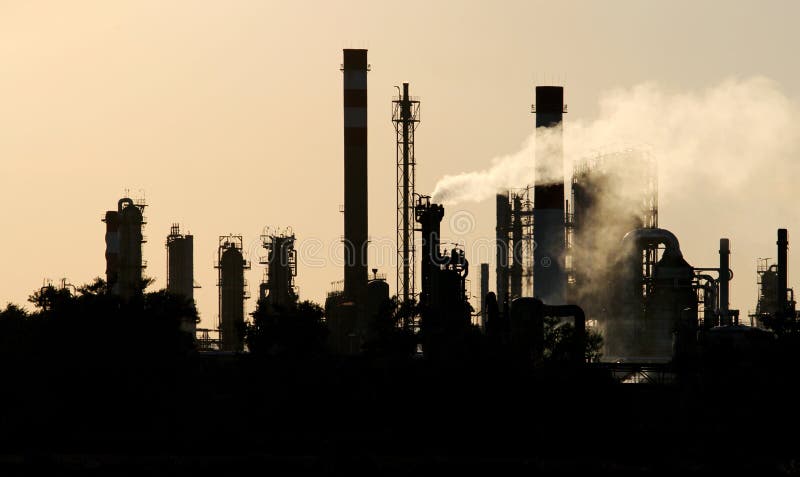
(296, 331)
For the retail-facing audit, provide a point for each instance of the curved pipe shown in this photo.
(124, 200)
(642, 237)
(527, 322)
(579, 320)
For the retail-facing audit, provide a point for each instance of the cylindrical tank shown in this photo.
(377, 295)
(130, 249)
(670, 322)
(231, 297)
(112, 250)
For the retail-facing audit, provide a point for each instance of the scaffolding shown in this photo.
(613, 193)
(405, 117)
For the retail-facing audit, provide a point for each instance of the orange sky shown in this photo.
(228, 115)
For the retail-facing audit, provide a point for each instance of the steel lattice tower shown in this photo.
(405, 116)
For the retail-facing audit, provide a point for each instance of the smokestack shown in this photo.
(548, 199)
(501, 234)
(724, 279)
(783, 247)
(355, 69)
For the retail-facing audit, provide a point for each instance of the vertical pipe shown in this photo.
(501, 235)
(783, 247)
(516, 251)
(405, 114)
(484, 292)
(724, 280)
(355, 69)
(549, 232)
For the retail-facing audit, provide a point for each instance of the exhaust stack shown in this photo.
(724, 280)
(549, 233)
(783, 248)
(355, 69)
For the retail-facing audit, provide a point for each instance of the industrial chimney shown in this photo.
(783, 248)
(724, 280)
(549, 233)
(355, 69)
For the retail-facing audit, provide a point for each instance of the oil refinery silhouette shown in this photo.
(600, 349)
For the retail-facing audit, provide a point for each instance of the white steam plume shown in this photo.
(722, 137)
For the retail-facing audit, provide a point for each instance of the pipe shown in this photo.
(527, 324)
(503, 223)
(783, 247)
(643, 237)
(124, 200)
(724, 279)
(709, 299)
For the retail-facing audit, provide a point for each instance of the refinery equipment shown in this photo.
(443, 298)
(776, 306)
(405, 116)
(548, 197)
(180, 270)
(514, 232)
(612, 194)
(483, 293)
(502, 243)
(651, 316)
(124, 241)
(346, 310)
(527, 328)
(277, 288)
(231, 265)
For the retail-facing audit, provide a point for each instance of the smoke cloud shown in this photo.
(728, 159)
(718, 137)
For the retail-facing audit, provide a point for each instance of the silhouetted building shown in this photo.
(278, 288)
(232, 292)
(180, 269)
(124, 241)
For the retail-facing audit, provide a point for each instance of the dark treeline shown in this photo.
(96, 386)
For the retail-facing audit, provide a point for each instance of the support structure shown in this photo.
(405, 116)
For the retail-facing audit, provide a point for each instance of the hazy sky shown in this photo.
(227, 116)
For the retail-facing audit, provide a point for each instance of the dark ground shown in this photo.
(236, 415)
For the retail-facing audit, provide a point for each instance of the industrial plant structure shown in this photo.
(231, 265)
(346, 311)
(180, 270)
(776, 304)
(443, 299)
(549, 270)
(405, 117)
(277, 288)
(124, 241)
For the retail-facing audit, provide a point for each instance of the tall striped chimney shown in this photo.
(355, 69)
(549, 276)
